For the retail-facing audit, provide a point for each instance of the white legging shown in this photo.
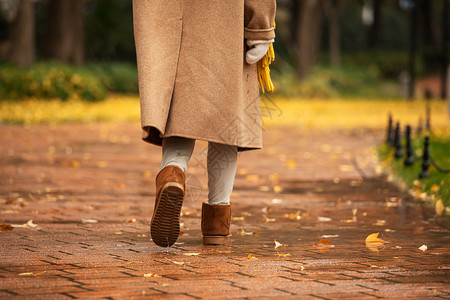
(221, 165)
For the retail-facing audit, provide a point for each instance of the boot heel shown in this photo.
(215, 240)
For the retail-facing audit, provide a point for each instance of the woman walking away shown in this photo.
(198, 65)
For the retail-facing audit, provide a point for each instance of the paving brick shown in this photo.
(90, 191)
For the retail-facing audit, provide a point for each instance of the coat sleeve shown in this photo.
(259, 17)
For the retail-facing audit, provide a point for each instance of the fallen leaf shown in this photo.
(221, 251)
(393, 201)
(325, 236)
(6, 227)
(91, 221)
(118, 232)
(435, 188)
(178, 262)
(277, 244)
(380, 223)
(26, 274)
(345, 168)
(151, 275)
(277, 189)
(252, 177)
(283, 255)
(423, 248)
(373, 243)
(237, 218)
(291, 164)
(323, 219)
(264, 188)
(266, 209)
(191, 254)
(268, 219)
(251, 256)
(29, 224)
(323, 244)
(439, 207)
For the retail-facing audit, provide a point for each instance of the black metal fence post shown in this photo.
(425, 158)
(409, 159)
(397, 142)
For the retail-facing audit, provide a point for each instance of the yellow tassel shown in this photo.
(264, 70)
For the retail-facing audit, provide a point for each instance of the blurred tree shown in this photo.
(308, 35)
(374, 29)
(334, 10)
(20, 44)
(65, 31)
(109, 31)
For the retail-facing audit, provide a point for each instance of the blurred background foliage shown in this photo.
(325, 48)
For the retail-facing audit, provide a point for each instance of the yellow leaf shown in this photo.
(151, 275)
(26, 274)
(237, 218)
(252, 177)
(251, 256)
(291, 164)
(178, 262)
(346, 168)
(283, 255)
(277, 189)
(435, 188)
(191, 254)
(268, 219)
(373, 243)
(74, 164)
(439, 207)
(118, 232)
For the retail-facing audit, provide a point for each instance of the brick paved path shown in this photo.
(90, 189)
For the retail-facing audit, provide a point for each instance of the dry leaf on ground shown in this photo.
(423, 248)
(6, 227)
(191, 254)
(151, 275)
(251, 256)
(283, 255)
(323, 245)
(278, 244)
(323, 219)
(373, 243)
(268, 219)
(439, 207)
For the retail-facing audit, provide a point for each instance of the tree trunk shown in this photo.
(334, 11)
(308, 35)
(22, 35)
(374, 30)
(65, 31)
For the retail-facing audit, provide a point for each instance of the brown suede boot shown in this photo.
(165, 226)
(216, 224)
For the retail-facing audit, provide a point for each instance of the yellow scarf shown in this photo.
(263, 69)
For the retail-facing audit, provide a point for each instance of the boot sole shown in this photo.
(215, 240)
(165, 225)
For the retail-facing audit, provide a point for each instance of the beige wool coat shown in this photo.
(193, 78)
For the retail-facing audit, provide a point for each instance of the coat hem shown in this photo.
(154, 136)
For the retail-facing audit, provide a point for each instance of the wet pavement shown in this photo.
(302, 210)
